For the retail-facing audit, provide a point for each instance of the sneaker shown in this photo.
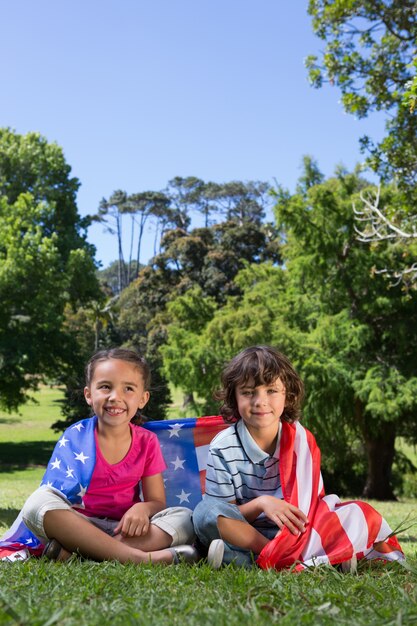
(215, 554)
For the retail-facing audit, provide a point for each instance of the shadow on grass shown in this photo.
(8, 516)
(15, 456)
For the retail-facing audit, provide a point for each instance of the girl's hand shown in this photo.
(284, 514)
(135, 522)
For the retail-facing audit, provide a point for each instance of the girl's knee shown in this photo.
(40, 502)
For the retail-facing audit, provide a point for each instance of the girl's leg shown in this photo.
(77, 534)
(49, 516)
(171, 527)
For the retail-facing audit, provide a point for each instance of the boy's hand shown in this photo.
(284, 514)
(134, 523)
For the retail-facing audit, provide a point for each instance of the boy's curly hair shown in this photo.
(260, 365)
(121, 354)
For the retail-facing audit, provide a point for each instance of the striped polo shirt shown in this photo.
(238, 470)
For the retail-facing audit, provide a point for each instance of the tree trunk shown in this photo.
(380, 454)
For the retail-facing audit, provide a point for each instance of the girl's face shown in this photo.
(261, 407)
(116, 391)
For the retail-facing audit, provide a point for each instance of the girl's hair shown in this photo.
(122, 354)
(260, 365)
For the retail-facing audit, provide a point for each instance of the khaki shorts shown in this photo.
(175, 521)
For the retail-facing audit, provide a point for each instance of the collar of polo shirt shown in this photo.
(251, 448)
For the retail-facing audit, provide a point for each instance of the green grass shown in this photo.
(38, 592)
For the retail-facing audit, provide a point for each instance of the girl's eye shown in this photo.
(129, 388)
(104, 387)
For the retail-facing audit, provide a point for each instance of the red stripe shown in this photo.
(335, 541)
(373, 519)
(206, 428)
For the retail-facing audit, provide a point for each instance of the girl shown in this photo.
(264, 492)
(89, 501)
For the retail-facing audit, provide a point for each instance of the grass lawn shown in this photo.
(38, 592)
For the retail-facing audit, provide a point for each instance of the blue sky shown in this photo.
(137, 92)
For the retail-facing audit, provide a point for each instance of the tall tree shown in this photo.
(352, 340)
(111, 212)
(369, 54)
(45, 263)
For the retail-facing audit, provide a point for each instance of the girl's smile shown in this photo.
(116, 391)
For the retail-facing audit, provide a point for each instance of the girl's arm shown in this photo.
(135, 522)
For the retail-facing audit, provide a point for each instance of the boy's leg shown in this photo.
(211, 514)
(241, 534)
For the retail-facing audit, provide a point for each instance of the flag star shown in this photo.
(70, 472)
(56, 464)
(62, 442)
(82, 491)
(81, 457)
(62, 487)
(49, 484)
(78, 426)
(178, 463)
(29, 540)
(175, 428)
(183, 497)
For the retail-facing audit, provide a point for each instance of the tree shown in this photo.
(389, 223)
(352, 340)
(207, 259)
(45, 264)
(370, 56)
(111, 213)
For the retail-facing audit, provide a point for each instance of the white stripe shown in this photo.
(314, 550)
(304, 469)
(320, 484)
(354, 524)
(202, 455)
(13, 528)
(395, 555)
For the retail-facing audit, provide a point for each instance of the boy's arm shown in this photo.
(282, 513)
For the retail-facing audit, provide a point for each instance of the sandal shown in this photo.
(55, 552)
(184, 554)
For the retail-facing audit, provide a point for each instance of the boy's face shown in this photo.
(261, 407)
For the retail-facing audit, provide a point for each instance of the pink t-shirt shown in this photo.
(113, 489)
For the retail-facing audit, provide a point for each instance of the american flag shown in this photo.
(337, 531)
(184, 444)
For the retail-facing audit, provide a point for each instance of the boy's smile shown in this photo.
(116, 391)
(261, 407)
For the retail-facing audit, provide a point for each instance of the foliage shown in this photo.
(45, 264)
(369, 55)
(350, 337)
(205, 260)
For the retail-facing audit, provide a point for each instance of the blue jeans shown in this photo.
(205, 525)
